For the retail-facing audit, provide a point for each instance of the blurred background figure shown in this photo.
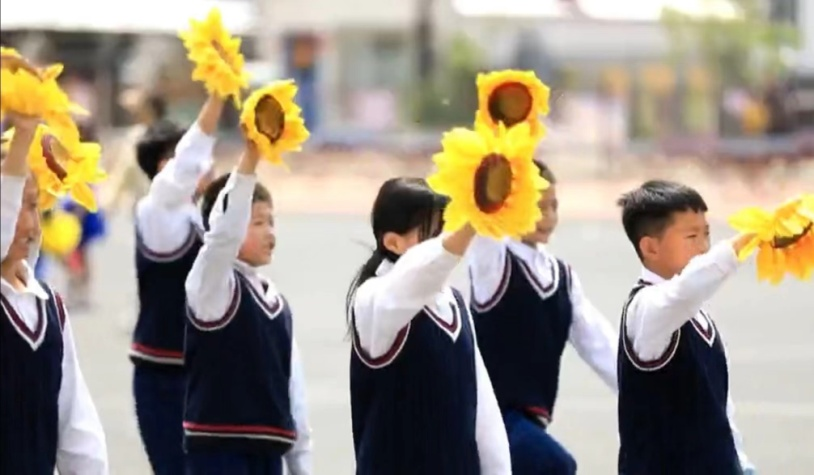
(127, 183)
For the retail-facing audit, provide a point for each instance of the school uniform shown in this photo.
(167, 242)
(48, 418)
(675, 410)
(421, 400)
(245, 408)
(527, 305)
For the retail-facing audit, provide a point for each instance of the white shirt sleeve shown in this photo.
(490, 432)
(11, 201)
(486, 259)
(658, 310)
(298, 459)
(163, 216)
(385, 304)
(210, 283)
(82, 449)
(592, 335)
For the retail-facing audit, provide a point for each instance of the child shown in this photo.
(245, 394)
(421, 399)
(48, 418)
(526, 305)
(675, 410)
(167, 242)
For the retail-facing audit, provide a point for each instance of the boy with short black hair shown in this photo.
(527, 304)
(675, 410)
(167, 242)
(245, 410)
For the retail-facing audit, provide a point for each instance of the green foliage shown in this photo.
(450, 97)
(737, 52)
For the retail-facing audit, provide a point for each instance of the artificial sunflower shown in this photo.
(490, 179)
(63, 167)
(39, 95)
(217, 57)
(512, 97)
(271, 120)
(784, 238)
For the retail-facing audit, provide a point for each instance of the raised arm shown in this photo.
(162, 216)
(14, 172)
(210, 284)
(592, 335)
(82, 449)
(384, 305)
(659, 310)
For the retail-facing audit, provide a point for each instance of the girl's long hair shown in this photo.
(402, 205)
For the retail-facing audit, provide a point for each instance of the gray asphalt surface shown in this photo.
(768, 330)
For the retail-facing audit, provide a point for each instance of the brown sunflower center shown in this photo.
(53, 164)
(493, 183)
(269, 118)
(510, 103)
(782, 242)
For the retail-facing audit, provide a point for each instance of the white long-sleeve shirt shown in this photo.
(658, 310)
(165, 214)
(387, 303)
(81, 447)
(209, 290)
(591, 333)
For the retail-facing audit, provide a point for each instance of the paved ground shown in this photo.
(768, 331)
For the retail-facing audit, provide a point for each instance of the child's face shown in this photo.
(545, 227)
(260, 239)
(27, 232)
(685, 237)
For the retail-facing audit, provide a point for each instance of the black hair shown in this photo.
(157, 144)
(210, 195)
(545, 171)
(649, 209)
(402, 204)
(157, 106)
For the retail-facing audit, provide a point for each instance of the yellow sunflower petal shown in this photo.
(219, 64)
(490, 179)
(512, 97)
(272, 122)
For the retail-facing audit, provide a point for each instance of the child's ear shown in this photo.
(648, 247)
(393, 243)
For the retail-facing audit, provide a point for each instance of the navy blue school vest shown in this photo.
(238, 371)
(30, 380)
(672, 411)
(414, 408)
(522, 331)
(158, 339)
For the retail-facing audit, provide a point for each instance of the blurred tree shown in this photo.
(739, 51)
(450, 96)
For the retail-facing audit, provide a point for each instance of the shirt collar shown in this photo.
(32, 286)
(525, 251)
(651, 277)
(384, 267)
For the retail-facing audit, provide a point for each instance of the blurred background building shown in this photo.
(624, 74)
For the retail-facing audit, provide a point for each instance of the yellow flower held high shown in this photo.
(63, 167)
(217, 57)
(271, 120)
(784, 238)
(490, 179)
(512, 97)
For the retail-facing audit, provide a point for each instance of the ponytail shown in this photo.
(364, 273)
